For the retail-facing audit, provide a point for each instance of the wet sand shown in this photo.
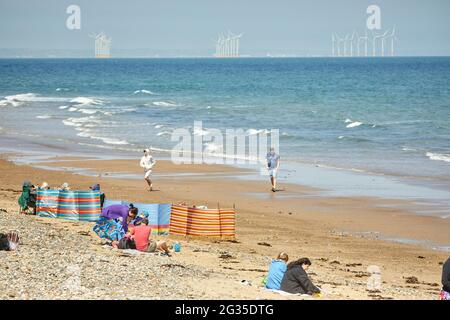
(338, 234)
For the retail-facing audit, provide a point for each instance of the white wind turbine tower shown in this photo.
(332, 45)
(366, 42)
(383, 39)
(345, 44)
(393, 38)
(339, 41)
(374, 43)
(238, 39)
(352, 39)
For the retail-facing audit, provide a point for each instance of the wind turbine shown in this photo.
(339, 40)
(345, 45)
(374, 43)
(383, 39)
(393, 38)
(365, 39)
(333, 39)
(351, 42)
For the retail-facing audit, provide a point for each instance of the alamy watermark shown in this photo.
(231, 146)
(73, 21)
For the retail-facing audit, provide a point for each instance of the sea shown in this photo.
(348, 126)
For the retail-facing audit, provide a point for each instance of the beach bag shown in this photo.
(109, 229)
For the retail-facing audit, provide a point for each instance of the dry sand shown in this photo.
(56, 254)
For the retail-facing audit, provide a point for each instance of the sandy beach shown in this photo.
(342, 237)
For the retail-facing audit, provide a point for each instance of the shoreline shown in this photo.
(422, 196)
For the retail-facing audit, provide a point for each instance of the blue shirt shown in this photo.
(276, 273)
(272, 160)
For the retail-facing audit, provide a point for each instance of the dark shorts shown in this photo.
(125, 243)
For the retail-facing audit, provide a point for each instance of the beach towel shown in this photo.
(71, 205)
(158, 215)
(202, 222)
(109, 229)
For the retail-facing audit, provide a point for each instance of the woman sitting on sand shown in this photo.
(276, 271)
(141, 235)
(296, 279)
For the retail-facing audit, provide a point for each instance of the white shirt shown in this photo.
(272, 160)
(147, 162)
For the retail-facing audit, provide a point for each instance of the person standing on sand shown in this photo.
(273, 163)
(147, 162)
(445, 293)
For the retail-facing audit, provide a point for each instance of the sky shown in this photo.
(190, 27)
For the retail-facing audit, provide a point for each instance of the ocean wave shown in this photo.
(22, 98)
(163, 133)
(83, 101)
(45, 116)
(88, 111)
(200, 132)
(164, 104)
(407, 149)
(159, 126)
(354, 124)
(110, 140)
(251, 132)
(144, 91)
(438, 156)
(62, 89)
(212, 147)
(63, 107)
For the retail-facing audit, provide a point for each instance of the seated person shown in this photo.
(44, 186)
(141, 235)
(96, 187)
(64, 187)
(122, 212)
(296, 280)
(276, 271)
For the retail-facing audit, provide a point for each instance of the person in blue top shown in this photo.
(273, 163)
(276, 271)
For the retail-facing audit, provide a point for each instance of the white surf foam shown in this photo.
(110, 140)
(45, 116)
(63, 107)
(251, 132)
(438, 156)
(159, 126)
(163, 133)
(354, 124)
(164, 104)
(200, 132)
(86, 101)
(143, 91)
(88, 111)
(212, 147)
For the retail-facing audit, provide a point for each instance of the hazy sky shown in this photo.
(177, 27)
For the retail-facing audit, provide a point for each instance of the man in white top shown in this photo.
(147, 162)
(273, 163)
